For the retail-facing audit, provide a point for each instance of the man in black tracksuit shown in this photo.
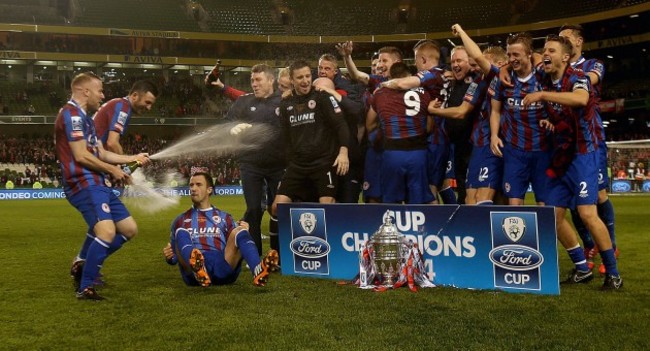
(264, 165)
(317, 138)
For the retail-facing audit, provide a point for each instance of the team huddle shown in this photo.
(494, 123)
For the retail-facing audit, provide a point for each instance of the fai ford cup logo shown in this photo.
(514, 228)
(516, 257)
(308, 222)
(310, 247)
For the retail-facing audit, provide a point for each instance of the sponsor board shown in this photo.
(309, 245)
(515, 250)
(621, 186)
(57, 193)
(646, 186)
(504, 248)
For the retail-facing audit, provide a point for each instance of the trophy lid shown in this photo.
(388, 228)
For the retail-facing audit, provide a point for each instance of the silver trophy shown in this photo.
(387, 243)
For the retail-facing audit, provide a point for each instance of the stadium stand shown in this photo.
(304, 17)
(32, 88)
(30, 11)
(138, 14)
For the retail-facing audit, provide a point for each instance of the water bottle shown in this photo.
(213, 75)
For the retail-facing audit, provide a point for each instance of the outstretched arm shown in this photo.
(576, 98)
(345, 50)
(471, 47)
(402, 83)
(457, 112)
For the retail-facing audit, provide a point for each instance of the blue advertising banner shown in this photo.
(505, 248)
(57, 193)
(621, 186)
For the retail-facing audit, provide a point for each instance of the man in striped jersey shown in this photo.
(516, 134)
(595, 71)
(485, 169)
(84, 165)
(402, 117)
(573, 176)
(210, 245)
(111, 122)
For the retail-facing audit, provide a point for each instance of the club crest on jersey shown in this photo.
(307, 222)
(77, 123)
(216, 219)
(514, 228)
(106, 208)
(471, 90)
(277, 111)
(311, 104)
(253, 108)
(121, 118)
(289, 108)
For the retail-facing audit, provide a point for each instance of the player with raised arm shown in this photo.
(573, 172)
(387, 56)
(484, 172)
(516, 134)
(209, 245)
(84, 165)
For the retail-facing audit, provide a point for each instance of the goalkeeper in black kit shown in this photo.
(316, 137)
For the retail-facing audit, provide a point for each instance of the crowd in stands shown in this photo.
(39, 150)
(181, 96)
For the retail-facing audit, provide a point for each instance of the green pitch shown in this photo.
(149, 307)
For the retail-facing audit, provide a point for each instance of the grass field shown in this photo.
(149, 307)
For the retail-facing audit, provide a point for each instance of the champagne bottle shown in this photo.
(130, 167)
(213, 75)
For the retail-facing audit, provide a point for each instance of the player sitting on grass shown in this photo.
(210, 245)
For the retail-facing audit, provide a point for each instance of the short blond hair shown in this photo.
(83, 78)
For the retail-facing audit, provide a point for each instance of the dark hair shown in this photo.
(576, 28)
(144, 86)
(296, 65)
(208, 178)
(264, 68)
(399, 70)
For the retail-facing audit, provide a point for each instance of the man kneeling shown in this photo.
(210, 245)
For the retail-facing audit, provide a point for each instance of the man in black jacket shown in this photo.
(266, 164)
(317, 138)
